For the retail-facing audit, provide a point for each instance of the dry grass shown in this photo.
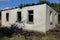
(13, 38)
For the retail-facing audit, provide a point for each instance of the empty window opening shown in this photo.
(30, 15)
(0, 15)
(7, 16)
(55, 14)
(18, 16)
(51, 18)
(50, 12)
(51, 23)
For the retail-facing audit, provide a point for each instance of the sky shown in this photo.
(6, 4)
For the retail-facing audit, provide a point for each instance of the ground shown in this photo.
(48, 37)
(51, 35)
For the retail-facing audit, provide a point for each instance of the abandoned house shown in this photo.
(39, 18)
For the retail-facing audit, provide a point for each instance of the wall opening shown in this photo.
(0, 15)
(7, 16)
(18, 16)
(51, 19)
(30, 16)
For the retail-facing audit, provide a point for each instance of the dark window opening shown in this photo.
(18, 16)
(0, 15)
(7, 16)
(30, 15)
(50, 12)
(51, 23)
(55, 13)
(30, 18)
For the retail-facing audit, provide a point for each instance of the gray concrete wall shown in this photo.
(39, 17)
(12, 17)
(41, 21)
(51, 18)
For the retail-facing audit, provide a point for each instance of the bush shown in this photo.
(8, 31)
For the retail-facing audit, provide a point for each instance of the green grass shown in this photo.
(13, 38)
(49, 37)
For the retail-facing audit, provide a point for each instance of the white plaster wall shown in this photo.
(56, 19)
(53, 18)
(4, 22)
(12, 17)
(39, 18)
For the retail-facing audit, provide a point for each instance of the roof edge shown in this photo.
(21, 7)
